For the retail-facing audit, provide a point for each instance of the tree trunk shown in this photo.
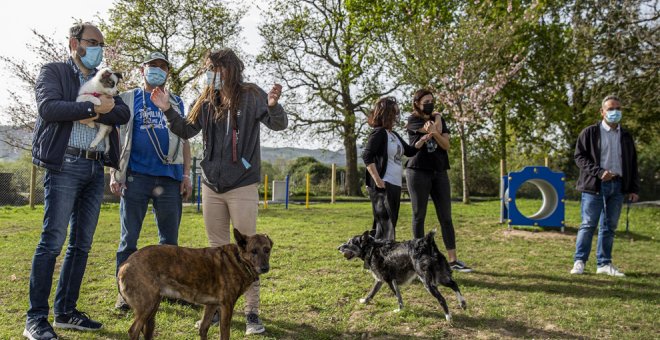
(464, 167)
(352, 179)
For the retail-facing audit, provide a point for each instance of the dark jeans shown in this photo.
(72, 197)
(166, 197)
(421, 183)
(385, 207)
(606, 207)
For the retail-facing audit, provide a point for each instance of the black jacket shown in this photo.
(56, 90)
(587, 158)
(376, 152)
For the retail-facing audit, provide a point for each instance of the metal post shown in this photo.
(286, 199)
(193, 172)
(265, 191)
(199, 192)
(307, 194)
(332, 185)
(33, 184)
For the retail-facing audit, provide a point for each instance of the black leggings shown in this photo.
(421, 183)
(385, 206)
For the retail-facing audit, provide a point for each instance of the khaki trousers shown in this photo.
(238, 206)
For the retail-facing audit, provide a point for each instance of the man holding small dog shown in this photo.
(154, 164)
(606, 156)
(73, 182)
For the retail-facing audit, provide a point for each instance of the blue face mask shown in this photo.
(155, 76)
(218, 79)
(613, 116)
(93, 57)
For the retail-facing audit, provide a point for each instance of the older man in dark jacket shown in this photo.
(73, 183)
(606, 156)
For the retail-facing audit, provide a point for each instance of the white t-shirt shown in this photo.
(394, 153)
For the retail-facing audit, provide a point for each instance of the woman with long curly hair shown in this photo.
(382, 156)
(228, 113)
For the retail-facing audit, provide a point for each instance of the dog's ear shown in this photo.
(271, 241)
(240, 239)
(119, 76)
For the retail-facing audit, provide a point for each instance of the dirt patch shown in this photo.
(536, 234)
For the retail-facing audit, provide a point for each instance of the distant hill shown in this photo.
(9, 153)
(268, 154)
(324, 156)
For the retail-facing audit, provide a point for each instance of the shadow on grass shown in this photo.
(620, 233)
(289, 330)
(508, 328)
(591, 287)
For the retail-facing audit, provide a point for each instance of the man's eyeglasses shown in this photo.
(92, 42)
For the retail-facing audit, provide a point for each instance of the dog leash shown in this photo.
(627, 214)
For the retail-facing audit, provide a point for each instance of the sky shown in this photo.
(54, 18)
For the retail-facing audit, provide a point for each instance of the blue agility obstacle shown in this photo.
(551, 185)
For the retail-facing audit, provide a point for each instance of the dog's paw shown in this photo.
(397, 310)
(364, 301)
(463, 304)
(448, 317)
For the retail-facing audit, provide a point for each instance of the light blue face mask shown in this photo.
(155, 76)
(218, 79)
(93, 57)
(613, 116)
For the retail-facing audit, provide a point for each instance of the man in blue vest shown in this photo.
(154, 164)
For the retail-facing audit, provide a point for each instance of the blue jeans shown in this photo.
(606, 207)
(166, 196)
(72, 196)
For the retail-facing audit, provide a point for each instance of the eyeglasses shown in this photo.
(92, 42)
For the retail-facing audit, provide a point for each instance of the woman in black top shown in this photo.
(426, 173)
(382, 156)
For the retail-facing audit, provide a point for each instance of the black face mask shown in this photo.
(427, 108)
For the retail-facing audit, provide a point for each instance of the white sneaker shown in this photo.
(610, 270)
(578, 267)
(253, 324)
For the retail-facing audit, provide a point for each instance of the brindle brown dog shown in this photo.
(214, 277)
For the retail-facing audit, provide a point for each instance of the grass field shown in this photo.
(521, 286)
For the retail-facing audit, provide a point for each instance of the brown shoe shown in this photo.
(121, 304)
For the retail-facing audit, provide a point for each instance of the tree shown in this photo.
(331, 70)
(465, 57)
(22, 109)
(183, 30)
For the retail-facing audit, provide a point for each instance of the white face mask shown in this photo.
(210, 76)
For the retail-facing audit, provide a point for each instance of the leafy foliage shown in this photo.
(183, 30)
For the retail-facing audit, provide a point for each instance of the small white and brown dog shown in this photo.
(103, 83)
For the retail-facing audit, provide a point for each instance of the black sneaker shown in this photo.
(459, 266)
(39, 329)
(77, 320)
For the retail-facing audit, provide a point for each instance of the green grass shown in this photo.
(521, 287)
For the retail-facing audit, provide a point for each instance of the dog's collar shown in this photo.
(95, 94)
(368, 257)
(245, 264)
